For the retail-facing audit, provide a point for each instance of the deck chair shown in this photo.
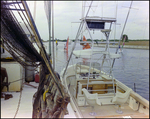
(92, 100)
(121, 98)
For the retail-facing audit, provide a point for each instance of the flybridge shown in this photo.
(97, 22)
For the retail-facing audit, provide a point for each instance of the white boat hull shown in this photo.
(135, 102)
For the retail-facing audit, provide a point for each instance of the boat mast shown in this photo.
(49, 22)
(48, 14)
(122, 32)
(53, 35)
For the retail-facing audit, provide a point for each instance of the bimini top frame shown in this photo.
(99, 19)
(91, 23)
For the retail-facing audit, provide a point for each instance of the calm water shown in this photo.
(132, 67)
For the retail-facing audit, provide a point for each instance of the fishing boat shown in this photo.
(94, 91)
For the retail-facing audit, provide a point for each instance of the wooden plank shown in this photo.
(110, 85)
(137, 115)
(99, 87)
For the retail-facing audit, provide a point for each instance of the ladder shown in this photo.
(106, 32)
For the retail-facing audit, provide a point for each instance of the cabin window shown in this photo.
(96, 25)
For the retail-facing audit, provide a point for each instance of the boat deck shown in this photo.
(9, 106)
(109, 111)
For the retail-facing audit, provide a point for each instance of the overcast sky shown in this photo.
(66, 12)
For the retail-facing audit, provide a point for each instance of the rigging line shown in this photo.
(24, 15)
(28, 24)
(7, 45)
(10, 48)
(21, 79)
(128, 30)
(43, 52)
(22, 19)
(16, 19)
(17, 26)
(26, 64)
(91, 7)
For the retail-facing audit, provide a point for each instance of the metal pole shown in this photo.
(81, 26)
(53, 35)
(91, 56)
(49, 21)
(107, 45)
(122, 32)
(115, 22)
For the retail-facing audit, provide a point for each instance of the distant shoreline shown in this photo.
(129, 45)
(137, 43)
(131, 42)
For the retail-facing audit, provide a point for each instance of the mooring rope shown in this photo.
(20, 79)
(19, 98)
(18, 103)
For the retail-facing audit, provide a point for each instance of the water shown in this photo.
(132, 67)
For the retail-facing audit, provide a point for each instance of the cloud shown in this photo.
(66, 12)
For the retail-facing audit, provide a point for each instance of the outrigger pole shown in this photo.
(122, 32)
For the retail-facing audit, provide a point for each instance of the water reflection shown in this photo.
(66, 54)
